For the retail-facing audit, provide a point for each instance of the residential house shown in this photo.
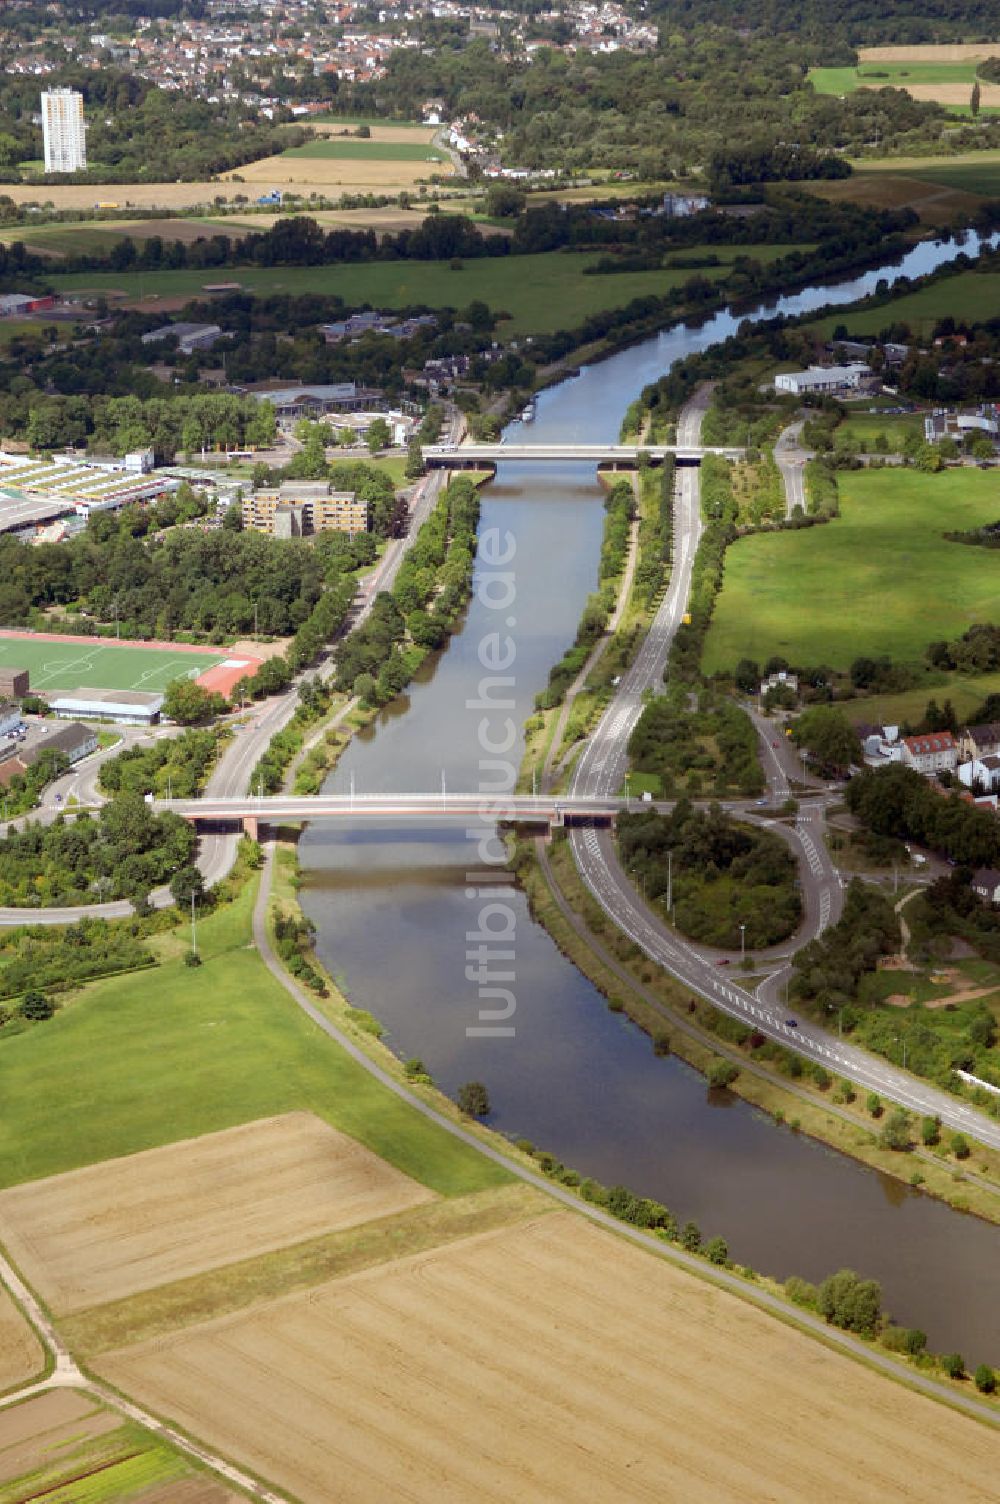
(932, 752)
(986, 882)
(980, 741)
(981, 773)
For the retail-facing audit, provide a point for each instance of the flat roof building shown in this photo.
(128, 706)
(64, 132)
(297, 509)
(822, 378)
(190, 337)
(293, 402)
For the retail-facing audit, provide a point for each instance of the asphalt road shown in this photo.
(791, 460)
(601, 770)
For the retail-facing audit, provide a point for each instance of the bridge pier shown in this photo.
(251, 825)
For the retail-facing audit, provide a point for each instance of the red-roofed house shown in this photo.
(931, 752)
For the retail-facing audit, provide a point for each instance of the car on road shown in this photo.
(722, 961)
(775, 744)
(791, 1023)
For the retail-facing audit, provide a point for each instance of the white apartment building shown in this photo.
(64, 131)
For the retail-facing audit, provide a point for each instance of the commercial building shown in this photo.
(293, 402)
(190, 337)
(129, 707)
(297, 509)
(13, 683)
(357, 324)
(64, 132)
(10, 717)
(822, 379)
(34, 492)
(14, 305)
(37, 737)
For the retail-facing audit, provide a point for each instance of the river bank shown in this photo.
(392, 915)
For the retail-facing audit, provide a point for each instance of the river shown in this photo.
(393, 909)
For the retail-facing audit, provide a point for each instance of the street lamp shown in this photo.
(743, 942)
(900, 1040)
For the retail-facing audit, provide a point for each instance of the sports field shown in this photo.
(879, 579)
(55, 663)
(548, 1361)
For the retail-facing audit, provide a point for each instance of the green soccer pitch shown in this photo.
(55, 664)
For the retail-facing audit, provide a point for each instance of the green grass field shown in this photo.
(967, 295)
(864, 428)
(969, 172)
(168, 1054)
(882, 75)
(965, 693)
(541, 293)
(879, 579)
(349, 147)
(53, 664)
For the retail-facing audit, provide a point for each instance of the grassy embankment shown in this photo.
(660, 1006)
(968, 295)
(192, 1050)
(879, 577)
(538, 293)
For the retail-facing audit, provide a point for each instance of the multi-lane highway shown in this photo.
(600, 772)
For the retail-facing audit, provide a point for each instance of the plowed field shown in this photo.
(131, 1224)
(544, 1363)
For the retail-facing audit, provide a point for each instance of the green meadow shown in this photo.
(539, 293)
(967, 295)
(880, 579)
(350, 147)
(145, 1059)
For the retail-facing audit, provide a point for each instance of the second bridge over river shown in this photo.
(617, 456)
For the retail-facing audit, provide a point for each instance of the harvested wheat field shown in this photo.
(954, 93)
(551, 1361)
(21, 1356)
(930, 52)
(123, 195)
(395, 135)
(350, 174)
(131, 1224)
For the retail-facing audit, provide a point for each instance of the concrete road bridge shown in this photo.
(614, 456)
(250, 813)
